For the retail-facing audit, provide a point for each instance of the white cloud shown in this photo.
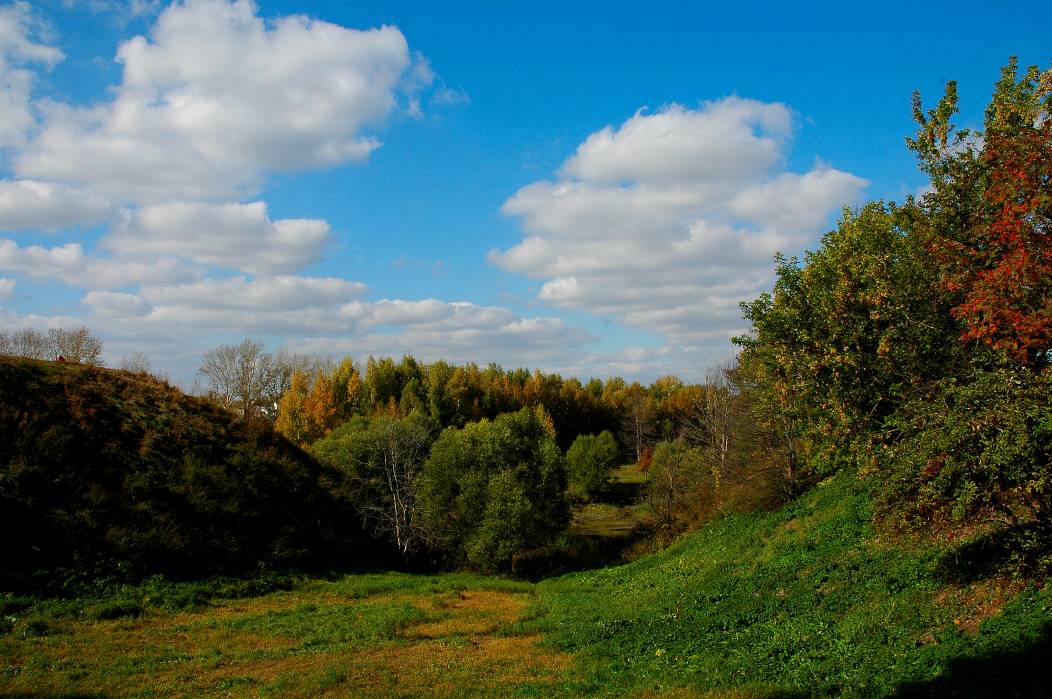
(71, 265)
(19, 31)
(7, 288)
(237, 236)
(263, 294)
(670, 220)
(728, 139)
(334, 320)
(216, 98)
(45, 206)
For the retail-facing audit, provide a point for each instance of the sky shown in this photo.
(584, 188)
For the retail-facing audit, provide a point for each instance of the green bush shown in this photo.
(978, 450)
(492, 490)
(589, 462)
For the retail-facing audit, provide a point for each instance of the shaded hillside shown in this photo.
(804, 601)
(107, 473)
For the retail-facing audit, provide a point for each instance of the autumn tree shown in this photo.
(990, 212)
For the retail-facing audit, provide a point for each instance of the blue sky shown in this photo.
(583, 189)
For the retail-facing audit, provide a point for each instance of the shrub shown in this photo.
(495, 488)
(589, 462)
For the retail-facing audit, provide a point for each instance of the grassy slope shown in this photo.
(104, 470)
(802, 601)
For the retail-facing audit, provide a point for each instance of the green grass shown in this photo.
(364, 635)
(805, 600)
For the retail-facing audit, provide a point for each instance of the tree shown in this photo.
(75, 344)
(72, 344)
(589, 462)
(637, 425)
(137, 362)
(496, 489)
(243, 377)
(989, 214)
(849, 333)
(26, 342)
(674, 484)
(386, 456)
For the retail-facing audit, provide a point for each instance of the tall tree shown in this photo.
(242, 377)
(989, 214)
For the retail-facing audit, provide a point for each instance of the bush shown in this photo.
(589, 462)
(494, 489)
(978, 450)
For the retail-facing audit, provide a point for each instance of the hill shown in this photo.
(804, 601)
(109, 473)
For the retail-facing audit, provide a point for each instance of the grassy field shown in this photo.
(366, 635)
(804, 601)
(619, 512)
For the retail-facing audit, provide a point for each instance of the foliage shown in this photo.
(589, 462)
(107, 473)
(495, 489)
(678, 486)
(989, 214)
(848, 333)
(979, 451)
(384, 456)
(913, 345)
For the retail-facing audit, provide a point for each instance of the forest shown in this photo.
(880, 441)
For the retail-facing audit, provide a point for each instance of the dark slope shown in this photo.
(106, 473)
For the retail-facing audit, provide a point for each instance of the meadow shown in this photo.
(803, 601)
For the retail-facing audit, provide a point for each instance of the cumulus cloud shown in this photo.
(46, 206)
(334, 318)
(20, 45)
(72, 265)
(668, 221)
(7, 288)
(237, 236)
(216, 98)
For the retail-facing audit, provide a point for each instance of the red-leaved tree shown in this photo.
(992, 213)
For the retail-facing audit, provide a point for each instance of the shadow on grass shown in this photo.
(1020, 549)
(575, 552)
(621, 493)
(1023, 672)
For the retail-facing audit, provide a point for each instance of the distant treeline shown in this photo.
(319, 399)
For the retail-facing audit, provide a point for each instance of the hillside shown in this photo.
(803, 601)
(104, 473)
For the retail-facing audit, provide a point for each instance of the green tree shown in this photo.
(589, 462)
(385, 456)
(849, 332)
(494, 489)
